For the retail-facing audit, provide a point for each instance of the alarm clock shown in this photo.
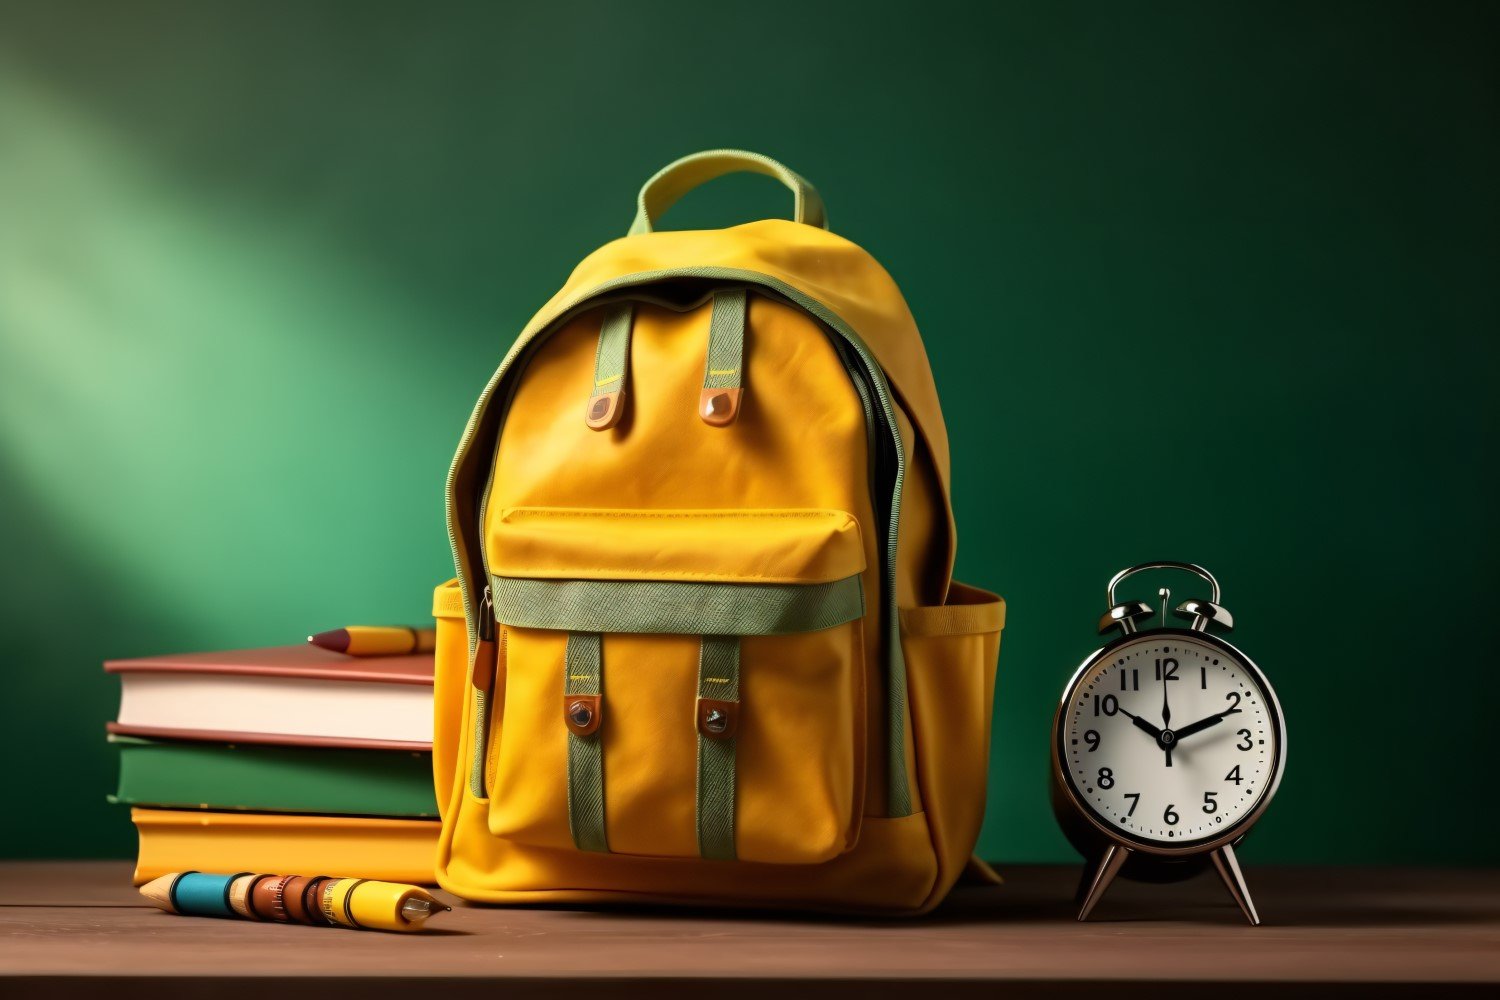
(1168, 745)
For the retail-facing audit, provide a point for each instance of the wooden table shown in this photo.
(74, 929)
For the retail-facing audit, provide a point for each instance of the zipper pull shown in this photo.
(486, 623)
(482, 670)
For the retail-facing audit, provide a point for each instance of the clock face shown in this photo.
(1170, 739)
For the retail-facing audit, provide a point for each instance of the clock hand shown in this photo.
(1166, 710)
(1166, 720)
(1202, 724)
(1153, 732)
(1142, 724)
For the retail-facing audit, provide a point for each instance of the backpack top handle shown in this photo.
(674, 180)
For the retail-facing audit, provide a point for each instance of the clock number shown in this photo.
(1248, 741)
(1234, 697)
(1166, 669)
(1209, 805)
(1092, 739)
(1108, 705)
(1106, 778)
(1234, 775)
(1203, 678)
(1135, 800)
(1170, 817)
(1133, 676)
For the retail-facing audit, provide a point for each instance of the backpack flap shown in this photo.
(679, 683)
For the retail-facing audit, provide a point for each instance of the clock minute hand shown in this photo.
(1202, 724)
(1166, 709)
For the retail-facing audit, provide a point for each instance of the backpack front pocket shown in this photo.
(680, 684)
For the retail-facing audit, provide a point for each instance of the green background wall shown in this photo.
(1204, 281)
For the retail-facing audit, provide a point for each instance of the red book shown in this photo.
(299, 695)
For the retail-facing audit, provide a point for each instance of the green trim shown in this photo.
(718, 679)
(677, 608)
(612, 356)
(481, 740)
(584, 675)
(676, 179)
(898, 789)
(726, 340)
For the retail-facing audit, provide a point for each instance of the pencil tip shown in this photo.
(336, 640)
(159, 891)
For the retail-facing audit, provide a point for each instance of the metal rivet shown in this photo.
(600, 408)
(715, 721)
(716, 405)
(581, 714)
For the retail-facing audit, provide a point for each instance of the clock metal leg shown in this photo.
(1085, 882)
(1234, 879)
(1109, 866)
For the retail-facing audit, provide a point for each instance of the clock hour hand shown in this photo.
(1142, 724)
(1151, 731)
(1202, 724)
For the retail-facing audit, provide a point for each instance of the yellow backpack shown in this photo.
(704, 645)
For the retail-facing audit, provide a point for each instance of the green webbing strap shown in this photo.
(718, 705)
(726, 340)
(676, 607)
(678, 178)
(611, 362)
(585, 753)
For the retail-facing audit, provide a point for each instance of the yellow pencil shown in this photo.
(376, 640)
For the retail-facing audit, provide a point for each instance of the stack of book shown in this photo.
(287, 759)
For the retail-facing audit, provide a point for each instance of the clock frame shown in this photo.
(1110, 850)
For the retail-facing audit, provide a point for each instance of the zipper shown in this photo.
(876, 434)
(898, 790)
(882, 469)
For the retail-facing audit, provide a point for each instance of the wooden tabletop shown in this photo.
(80, 929)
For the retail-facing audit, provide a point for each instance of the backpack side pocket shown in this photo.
(951, 652)
(450, 681)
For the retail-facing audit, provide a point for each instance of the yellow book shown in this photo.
(391, 850)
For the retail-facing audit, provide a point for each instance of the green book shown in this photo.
(270, 778)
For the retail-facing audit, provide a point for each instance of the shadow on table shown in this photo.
(1285, 898)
